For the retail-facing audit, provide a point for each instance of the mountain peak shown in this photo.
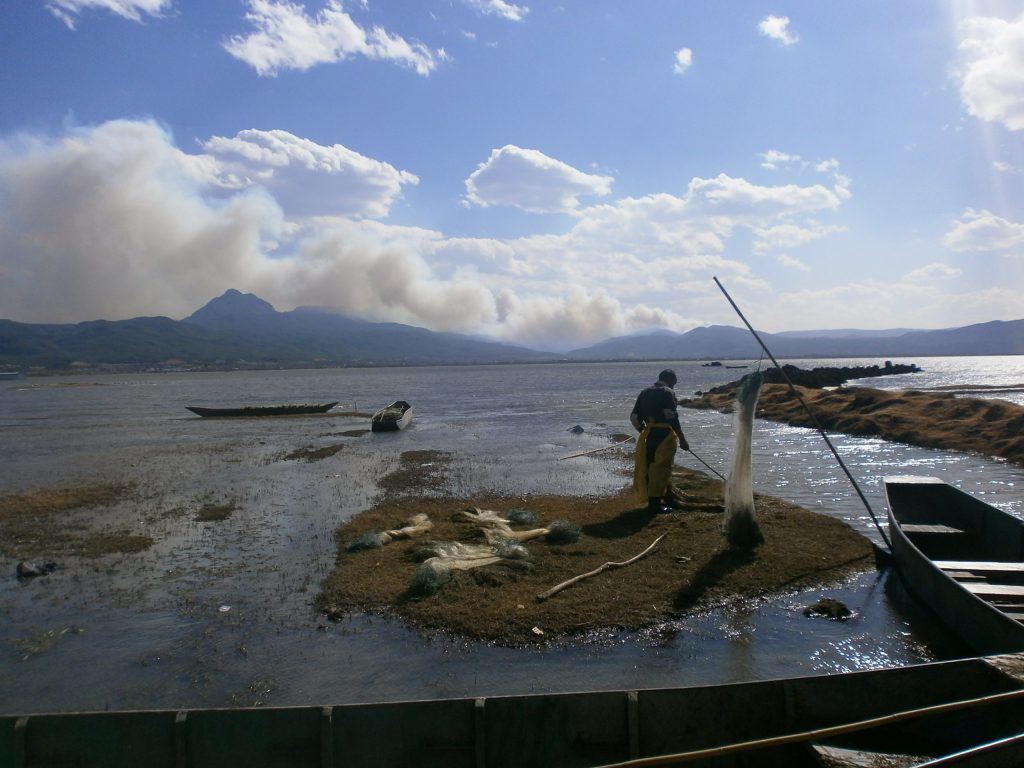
(230, 307)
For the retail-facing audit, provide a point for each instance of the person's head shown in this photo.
(668, 376)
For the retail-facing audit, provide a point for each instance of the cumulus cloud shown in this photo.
(499, 8)
(286, 37)
(983, 231)
(780, 237)
(773, 159)
(932, 272)
(791, 262)
(115, 221)
(990, 69)
(777, 28)
(532, 181)
(305, 177)
(69, 10)
(683, 61)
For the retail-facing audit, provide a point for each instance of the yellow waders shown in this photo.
(651, 479)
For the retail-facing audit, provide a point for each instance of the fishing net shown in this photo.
(414, 526)
(739, 524)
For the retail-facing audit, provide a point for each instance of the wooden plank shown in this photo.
(980, 565)
(917, 528)
(983, 589)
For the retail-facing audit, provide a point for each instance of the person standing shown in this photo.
(656, 419)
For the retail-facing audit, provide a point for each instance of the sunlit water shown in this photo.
(221, 613)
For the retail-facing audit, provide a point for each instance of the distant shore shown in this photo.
(928, 419)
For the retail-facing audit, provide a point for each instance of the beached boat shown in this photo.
(262, 410)
(964, 559)
(392, 417)
(973, 708)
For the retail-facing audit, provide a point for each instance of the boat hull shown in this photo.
(261, 410)
(392, 418)
(932, 523)
(563, 729)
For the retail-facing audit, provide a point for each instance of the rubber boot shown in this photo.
(654, 504)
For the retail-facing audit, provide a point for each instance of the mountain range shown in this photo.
(237, 330)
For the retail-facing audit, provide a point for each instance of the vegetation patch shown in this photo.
(691, 569)
(45, 522)
(313, 454)
(213, 513)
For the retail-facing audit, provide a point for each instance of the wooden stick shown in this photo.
(613, 445)
(606, 567)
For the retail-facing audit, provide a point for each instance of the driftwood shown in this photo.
(606, 567)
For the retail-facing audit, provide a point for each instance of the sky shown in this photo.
(548, 174)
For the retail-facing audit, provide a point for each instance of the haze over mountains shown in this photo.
(241, 330)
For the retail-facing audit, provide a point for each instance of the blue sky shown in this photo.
(549, 174)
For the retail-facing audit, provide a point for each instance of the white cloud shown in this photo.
(773, 158)
(68, 10)
(116, 218)
(990, 69)
(288, 38)
(305, 177)
(532, 181)
(780, 237)
(983, 231)
(777, 28)
(683, 61)
(931, 273)
(499, 8)
(791, 262)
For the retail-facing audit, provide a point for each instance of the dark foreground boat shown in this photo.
(973, 709)
(262, 410)
(392, 417)
(964, 558)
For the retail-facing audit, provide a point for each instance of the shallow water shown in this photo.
(220, 613)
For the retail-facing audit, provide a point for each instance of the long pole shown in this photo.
(698, 458)
(810, 413)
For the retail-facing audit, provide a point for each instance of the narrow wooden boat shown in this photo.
(262, 410)
(964, 559)
(938, 712)
(392, 417)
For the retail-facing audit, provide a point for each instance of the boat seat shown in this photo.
(984, 589)
(918, 528)
(980, 565)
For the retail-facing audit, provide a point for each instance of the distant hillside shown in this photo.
(238, 330)
(242, 330)
(718, 342)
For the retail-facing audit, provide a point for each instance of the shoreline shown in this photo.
(929, 419)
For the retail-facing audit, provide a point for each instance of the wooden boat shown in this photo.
(262, 410)
(971, 707)
(963, 558)
(392, 417)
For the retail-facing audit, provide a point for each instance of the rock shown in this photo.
(29, 570)
(832, 609)
(577, 430)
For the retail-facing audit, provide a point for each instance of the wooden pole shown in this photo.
(817, 734)
(807, 408)
(606, 567)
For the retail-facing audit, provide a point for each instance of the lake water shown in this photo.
(220, 614)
